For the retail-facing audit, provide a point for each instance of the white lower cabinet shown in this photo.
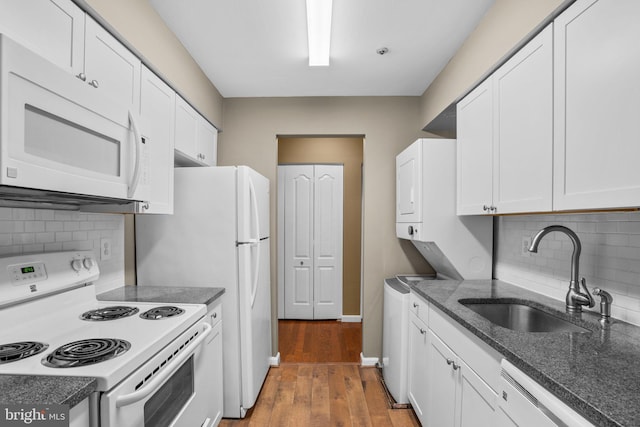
(418, 371)
(453, 376)
(457, 395)
(79, 414)
(214, 347)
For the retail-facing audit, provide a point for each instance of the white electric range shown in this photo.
(148, 358)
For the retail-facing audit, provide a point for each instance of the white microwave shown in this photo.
(59, 137)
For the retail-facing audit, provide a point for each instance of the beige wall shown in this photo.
(388, 124)
(348, 152)
(139, 24)
(502, 28)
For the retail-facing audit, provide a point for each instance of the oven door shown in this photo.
(59, 134)
(172, 389)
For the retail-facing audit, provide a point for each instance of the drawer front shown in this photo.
(481, 358)
(419, 307)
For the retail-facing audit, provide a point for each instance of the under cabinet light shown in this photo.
(319, 31)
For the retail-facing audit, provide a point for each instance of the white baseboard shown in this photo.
(275, 360)
(368, 361)
(349, 318)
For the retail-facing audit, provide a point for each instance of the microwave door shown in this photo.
(59, 134)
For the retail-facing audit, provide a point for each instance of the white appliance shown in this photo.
(459, 247)
(218, 236)
(395, 335)
(523, 402)
(60, 140)
(150, 360)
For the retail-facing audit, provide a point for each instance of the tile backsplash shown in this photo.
(610, 256)
(24, 231)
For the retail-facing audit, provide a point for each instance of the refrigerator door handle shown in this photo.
(254, 242)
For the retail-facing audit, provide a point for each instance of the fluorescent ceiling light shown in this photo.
(319, 31)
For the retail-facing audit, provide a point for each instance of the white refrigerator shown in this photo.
(218, 236)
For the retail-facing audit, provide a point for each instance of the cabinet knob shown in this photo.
(494, 209)
(94, 83)
(416, 305)
(486, 208)
(410, 230)
(422, 331)
(449, 361)
(82, 76)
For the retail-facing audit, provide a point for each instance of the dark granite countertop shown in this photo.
(163, 294)
(47, 390)
(596, 373)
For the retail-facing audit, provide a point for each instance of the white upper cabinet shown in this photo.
(523, 139)
(157, 109)
(110, 67)
(505, 138)
(207, 144)
(474, 151)
(54, 30)
(597, 105)
(195, 138)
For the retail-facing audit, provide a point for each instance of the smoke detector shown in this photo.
(382, 51)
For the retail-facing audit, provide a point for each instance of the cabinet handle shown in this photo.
(422, 331)
(415, 305)
(494, 209)
(453, 364)
(94, 83)
(486, 208)
(82, 76)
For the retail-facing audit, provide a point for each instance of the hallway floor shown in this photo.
(319, 341)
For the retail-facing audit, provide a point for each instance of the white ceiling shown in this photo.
(258, 48)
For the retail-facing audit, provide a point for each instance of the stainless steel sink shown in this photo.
(520, 317)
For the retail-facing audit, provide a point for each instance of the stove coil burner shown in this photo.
(20, 350)
(109, 313)
(86, 352)
(163, 312)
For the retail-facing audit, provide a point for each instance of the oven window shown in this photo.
(54, 138)
(161, 409)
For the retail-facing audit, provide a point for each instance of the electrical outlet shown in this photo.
(524, 248)
(105, 249)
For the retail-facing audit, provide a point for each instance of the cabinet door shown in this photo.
(111, 67)
(597, 105)
(53, 29)
(474, 153)
(442, 383)
(186, 130)
(523, 141)
(409, 184)
(476, 401)
(418, 369)
(207, 142)
(157, 105)
(217, 403)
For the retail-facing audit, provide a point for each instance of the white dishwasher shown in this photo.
(523, 402)
(395, 334)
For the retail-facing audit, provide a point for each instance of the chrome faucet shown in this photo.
(575, 299)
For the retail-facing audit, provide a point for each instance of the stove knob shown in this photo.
(76, 264)
(88, 263)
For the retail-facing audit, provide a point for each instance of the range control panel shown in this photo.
(30, 272)
(24, 277)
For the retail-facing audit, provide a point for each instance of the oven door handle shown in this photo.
(155, 383)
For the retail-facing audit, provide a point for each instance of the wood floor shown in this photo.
(319, 383)
(319, 341)
(322, 395)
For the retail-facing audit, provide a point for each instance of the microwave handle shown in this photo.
(133, 185)
(173, 366)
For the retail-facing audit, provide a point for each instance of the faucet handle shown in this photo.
(592, 302)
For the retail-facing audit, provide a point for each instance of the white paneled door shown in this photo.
(311, 217)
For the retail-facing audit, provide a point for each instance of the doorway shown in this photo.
(313, 338)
